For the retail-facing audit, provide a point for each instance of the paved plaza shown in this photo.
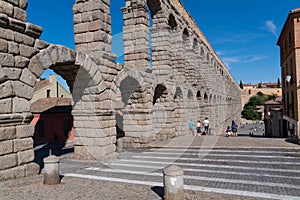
(214, 168)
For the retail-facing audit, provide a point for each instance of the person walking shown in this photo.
(192, 128)
(234, 128)
(198, 127)
(206, 125)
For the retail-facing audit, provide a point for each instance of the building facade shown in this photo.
(49, 88)
(51, 108)
(273, 118)
(289, 43)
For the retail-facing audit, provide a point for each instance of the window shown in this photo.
(41, 128)
(48, 93)
(185, 35)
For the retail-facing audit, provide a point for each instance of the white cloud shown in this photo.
(242, 59)
(270, 26)
(255, 58)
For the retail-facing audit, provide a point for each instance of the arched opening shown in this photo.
(127, 87)
(51, 106)
(190, 95)
(178, 93)
(158, 93)
(207, 57)
(205, 96)
(202, 51)
(154, 6)
(52, 101)
(172, 22)
(195, 44)
(185, 34)
(199, 95)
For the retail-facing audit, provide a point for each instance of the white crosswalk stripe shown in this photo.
(271, 173)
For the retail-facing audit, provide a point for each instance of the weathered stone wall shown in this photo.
(183, 62)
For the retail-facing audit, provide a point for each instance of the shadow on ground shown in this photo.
(158, 190)
(293, 140)
(44, 150)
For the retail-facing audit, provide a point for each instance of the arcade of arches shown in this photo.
(150, 97)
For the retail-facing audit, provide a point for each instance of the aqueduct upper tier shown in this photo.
(170, 75)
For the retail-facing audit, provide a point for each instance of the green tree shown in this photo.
(272, 97)
(249, 111)
(256, 101)
(260, 94)
(241, 84)
(278, 83)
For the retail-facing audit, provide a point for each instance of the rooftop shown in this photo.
(52, 105)
(41, 84)
(295, 10)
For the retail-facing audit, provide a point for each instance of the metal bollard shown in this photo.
(51, 173)
(119, 148)
(173, 183)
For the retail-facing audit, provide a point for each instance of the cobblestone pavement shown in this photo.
(214, 168)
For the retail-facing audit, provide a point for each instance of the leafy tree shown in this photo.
(272, 97)
(278, 83)
(249, 111)
(241, 84)
(260, 94)
(256, 101)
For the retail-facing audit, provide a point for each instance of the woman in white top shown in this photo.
(206, 125)
(198, 127)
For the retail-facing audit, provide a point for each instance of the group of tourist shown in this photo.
(203, 128)
(199, 127)
(232, 131)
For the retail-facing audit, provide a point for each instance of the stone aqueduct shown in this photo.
(151, 97)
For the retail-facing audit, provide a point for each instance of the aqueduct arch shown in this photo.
(183, 64)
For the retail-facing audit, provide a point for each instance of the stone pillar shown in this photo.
(136, 34)
(92, 25)
(51, 173)
(161, 44)
(18, 40)
(94, 120)
(173, 183)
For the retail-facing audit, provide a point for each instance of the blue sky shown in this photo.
(243, 33)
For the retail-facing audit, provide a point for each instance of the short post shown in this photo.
(51, 170)
(119, 145)
(173, 183)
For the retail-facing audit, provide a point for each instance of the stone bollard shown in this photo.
(51, 170)
(119, 145)
(173, 183)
